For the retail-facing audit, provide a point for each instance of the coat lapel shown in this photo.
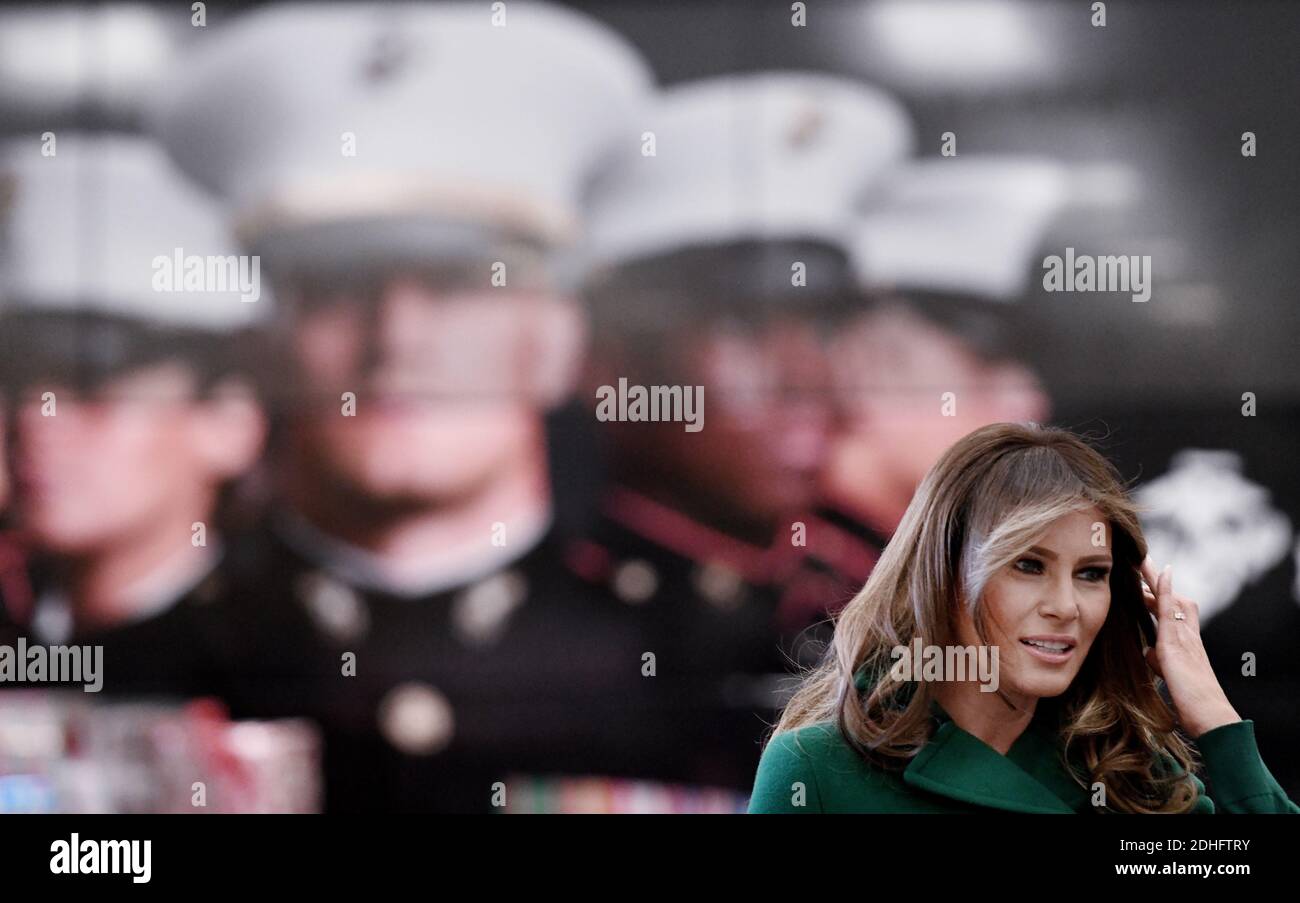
(957, 765)
(1031, 778)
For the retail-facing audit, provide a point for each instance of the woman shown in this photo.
(1021, 550)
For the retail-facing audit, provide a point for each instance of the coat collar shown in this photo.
(1032, 777)
(1029, 778)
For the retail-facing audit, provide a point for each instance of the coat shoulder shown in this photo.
(802, 771)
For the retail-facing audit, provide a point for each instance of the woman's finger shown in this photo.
(1164, 590)
(1184, 609)
(1182, 603)
(1151, 580)
(1148, 572)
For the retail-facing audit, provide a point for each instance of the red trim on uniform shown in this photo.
(845, 553)
(687, 537)
(812, 595)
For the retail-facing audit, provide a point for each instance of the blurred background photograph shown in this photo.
(488, 406)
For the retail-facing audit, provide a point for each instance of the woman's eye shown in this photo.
(1094, 575)
(1029, 566)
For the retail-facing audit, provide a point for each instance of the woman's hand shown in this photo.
(1179, 656)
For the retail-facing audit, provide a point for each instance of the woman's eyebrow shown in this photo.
(1102, 557)
(1049, 554)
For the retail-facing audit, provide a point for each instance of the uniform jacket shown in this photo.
(168, 654)
(518, 674)
(707, 604)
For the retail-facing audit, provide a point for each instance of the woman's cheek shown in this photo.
(1097, 615)
(1011, 602)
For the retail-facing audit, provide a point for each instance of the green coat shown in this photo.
(957, 772)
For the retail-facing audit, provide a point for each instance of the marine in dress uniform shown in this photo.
(124, 420)
(716, 249)
(407, 174)
(944, 252)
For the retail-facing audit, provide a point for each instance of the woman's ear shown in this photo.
(557, 341)
(229, 429)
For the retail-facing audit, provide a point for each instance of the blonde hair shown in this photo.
(978, 509)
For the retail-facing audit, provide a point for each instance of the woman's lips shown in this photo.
(1051, 649)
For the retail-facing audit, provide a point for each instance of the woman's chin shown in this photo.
(1045, 686)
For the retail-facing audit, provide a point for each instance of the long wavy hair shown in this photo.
(980, 508)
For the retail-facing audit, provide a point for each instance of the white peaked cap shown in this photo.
(960, 225)
(455, 117)
(84, 229)
(766, 156)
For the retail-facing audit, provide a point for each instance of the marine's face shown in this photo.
(443, 383)
(767, 418)
(1046, 607)
(94, 472)
(893, 370)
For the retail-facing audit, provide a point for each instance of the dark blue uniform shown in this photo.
(710, 604)
(521, 673)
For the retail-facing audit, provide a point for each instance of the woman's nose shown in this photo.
(1060, 602)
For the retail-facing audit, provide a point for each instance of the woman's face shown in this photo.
(1046, 606)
